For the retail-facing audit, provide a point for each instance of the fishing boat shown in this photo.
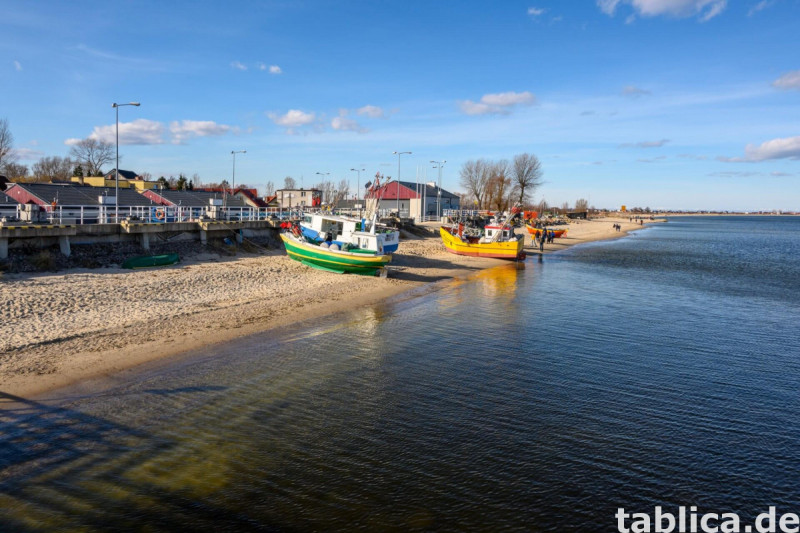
(342, 229)
(145, 261)
(557, 233)
(497, 240)
(351, 258)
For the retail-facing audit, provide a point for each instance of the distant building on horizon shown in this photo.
(127, 180)
(414, 200)
(298, 198)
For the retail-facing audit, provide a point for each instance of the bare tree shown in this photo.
(269, 189)
(328, 191)
(289, 183)
(526, 173)
(15, 171)
(6, 145)
(93, 154)
(582, 204)
(542, 207)
(498, 186)
(343, 191)
(474, 178)
(53, 169)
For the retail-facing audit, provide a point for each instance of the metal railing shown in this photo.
(104, 214)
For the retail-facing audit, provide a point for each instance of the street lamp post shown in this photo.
(398, 181)
(116, 170)
(439, 165)
(358, 180)
(233, 175)
(325, 174)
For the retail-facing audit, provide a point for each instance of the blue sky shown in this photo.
(682, 104)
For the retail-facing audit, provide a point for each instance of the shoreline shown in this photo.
(81, 325)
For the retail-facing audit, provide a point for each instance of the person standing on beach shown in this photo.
(541, 240)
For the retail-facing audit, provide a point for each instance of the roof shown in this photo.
(127, 174)
(196, 198)
(74, 194)
(7, 200)
(408, 189)
(251, 194)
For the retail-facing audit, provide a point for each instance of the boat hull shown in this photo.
(558, 233)
(359, 262)
(147, 261)
(512, 250)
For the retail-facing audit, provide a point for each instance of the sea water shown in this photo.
(660, 369)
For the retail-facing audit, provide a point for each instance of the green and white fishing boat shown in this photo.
(353, 259)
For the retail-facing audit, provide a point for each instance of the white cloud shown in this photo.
(508, 99)
(140, 131)
(634, 92)
(645, 144)
(608, 6)
(790, 80)
(27, 154)
(472, 108)
(498, 103)
(238, 66)
(764, 4)
(273, 69)
(704, 9)
(342, 123)
(293, 118)
(371, 111)
(536, 11)
(186, 129)
(345, 124)
(786, 148)
(17, 66)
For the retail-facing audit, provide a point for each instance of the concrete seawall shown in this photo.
(16, 235)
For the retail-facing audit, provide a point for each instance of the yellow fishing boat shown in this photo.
(498, 241)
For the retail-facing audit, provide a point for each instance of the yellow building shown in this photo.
(127, 180)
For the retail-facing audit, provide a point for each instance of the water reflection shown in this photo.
(534, 397)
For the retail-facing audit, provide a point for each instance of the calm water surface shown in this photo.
(658, 369)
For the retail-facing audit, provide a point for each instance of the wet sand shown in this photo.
(63, 328)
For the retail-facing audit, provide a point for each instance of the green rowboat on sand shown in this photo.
(145, 261)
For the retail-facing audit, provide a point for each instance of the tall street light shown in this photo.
(358, 180)
(116, 170)
(233, 176)
(398, 182)
(439, 165)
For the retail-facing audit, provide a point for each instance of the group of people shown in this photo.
(544, 236)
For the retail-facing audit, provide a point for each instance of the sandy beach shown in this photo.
(62, 328)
